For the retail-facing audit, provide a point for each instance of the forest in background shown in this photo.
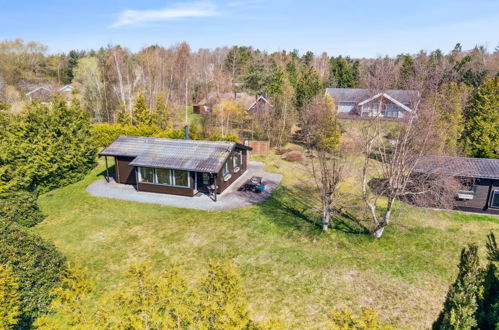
(113, 83)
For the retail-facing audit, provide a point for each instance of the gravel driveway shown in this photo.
(229, 199)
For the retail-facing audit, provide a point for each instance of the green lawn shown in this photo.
(290, 269)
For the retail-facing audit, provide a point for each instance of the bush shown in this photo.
(345, 319)
(294, 156)
(20, 207)
(46, 147)
(104, 134)
(282, 151)
(149, 301)
(37, 267)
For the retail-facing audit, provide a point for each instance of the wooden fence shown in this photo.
(259, 147)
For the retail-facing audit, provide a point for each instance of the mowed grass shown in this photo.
(290, 269)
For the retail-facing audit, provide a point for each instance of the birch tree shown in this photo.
(322, 138)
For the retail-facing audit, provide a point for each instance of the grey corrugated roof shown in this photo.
(459, 166)
(189, 155)
(358, 95)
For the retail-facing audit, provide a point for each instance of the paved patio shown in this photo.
(229, 199)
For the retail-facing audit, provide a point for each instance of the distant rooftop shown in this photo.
(358, 95)
(188, 155)
(483, 168)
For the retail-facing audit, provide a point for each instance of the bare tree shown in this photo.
(322, 139)
(392, 160)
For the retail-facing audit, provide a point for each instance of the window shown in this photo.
(226, 168)
(495, 199)
(181, 178)
(163, 176)
(237, 160)
(146, 175)
(391, 110)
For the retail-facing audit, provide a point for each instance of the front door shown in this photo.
(203, 181)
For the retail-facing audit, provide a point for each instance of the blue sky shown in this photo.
(340, 27)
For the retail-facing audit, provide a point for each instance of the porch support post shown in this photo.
(216, 188)
(107, 170)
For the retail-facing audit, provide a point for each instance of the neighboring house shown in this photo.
(66, 91)
(393, 103)
(179, 167)
(480, 178)
(44, 94)
(251, 103)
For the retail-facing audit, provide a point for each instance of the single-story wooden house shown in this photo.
(250, 103)
(479, 176)
(392, 104)
(179, 167)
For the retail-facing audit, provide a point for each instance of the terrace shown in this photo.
(231, 198)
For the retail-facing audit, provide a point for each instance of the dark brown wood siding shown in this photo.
(124, 172)
(221, 183)
(165, 189)
(482, 197)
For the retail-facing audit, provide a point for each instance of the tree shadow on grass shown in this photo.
(297, 208)
(112, 171)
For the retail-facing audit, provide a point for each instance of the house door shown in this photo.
(203, 181)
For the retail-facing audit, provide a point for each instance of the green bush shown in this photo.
(104, 134)
(20, 207)
(45, 147)
(37, 267)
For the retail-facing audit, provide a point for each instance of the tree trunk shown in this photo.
(380, 228)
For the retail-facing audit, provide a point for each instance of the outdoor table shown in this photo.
(252, 183)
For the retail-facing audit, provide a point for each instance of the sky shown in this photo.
(353, 28)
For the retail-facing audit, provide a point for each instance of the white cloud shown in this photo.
(178, 11)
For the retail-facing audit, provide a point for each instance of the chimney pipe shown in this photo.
(187, 132)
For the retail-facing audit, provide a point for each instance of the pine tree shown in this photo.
(123, 117)
(162, 115)
(10, 305)
(142, 116)
(222, 299)
(69, 302)
(482, 121)
(488, 311)
(46, 147)
(460, 307)
(450, 104)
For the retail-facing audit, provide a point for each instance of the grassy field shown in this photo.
(291, 270)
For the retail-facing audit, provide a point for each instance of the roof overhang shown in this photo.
(388, 97)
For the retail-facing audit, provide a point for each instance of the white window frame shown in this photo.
(239, 157)
(226, 169)
(139, 170)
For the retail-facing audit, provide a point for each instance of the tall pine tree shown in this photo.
(482, 121)
(460, 307)
(142, 116)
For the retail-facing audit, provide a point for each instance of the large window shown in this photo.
(181, 178)
(146, 174)
(164, 177)
(495, 199)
